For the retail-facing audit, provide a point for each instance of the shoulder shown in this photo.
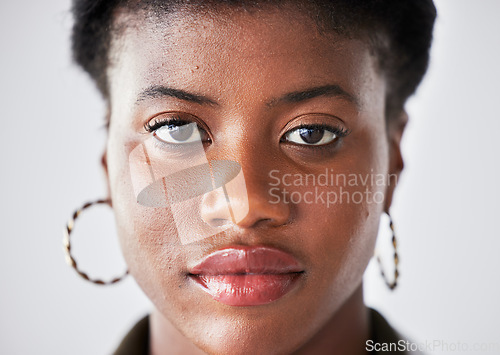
(137, 339)
(385, 339)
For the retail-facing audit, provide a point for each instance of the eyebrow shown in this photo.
(308, 94)
(158, 91)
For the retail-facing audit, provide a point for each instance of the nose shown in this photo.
(244, 201)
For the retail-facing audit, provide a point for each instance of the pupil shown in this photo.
(181, 133)
(311, 135)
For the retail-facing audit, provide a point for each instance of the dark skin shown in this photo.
(246, 65)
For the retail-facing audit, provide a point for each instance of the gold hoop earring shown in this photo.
(67, 245)
(391, 284)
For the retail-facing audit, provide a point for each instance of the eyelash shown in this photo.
(340, 132)
(161, 122)
(176, 120)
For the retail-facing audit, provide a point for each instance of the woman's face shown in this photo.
(288, 105)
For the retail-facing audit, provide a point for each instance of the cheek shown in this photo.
(338, 212)
(148, 235)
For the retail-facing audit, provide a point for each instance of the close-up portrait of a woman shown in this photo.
(250, 177)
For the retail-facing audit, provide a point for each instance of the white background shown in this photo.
(446, 209)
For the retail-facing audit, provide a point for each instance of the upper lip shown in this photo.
(247, 260)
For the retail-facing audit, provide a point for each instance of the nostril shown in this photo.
(215, 210)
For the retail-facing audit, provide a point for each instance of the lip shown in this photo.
(247, 276)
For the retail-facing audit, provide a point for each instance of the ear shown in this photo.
(395, 130)
(104, 164)
(104, 156)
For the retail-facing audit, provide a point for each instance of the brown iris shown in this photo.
(311, 135)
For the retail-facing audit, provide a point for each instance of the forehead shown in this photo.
(217, 54)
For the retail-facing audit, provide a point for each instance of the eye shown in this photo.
(312, 135)
(178, 134)
(176, 131)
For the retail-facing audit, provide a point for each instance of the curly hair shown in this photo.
(399, 33)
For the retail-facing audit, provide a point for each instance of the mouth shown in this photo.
(247, 276)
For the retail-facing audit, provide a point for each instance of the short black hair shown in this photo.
(398, 31)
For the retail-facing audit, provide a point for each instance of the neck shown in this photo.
(345, 333)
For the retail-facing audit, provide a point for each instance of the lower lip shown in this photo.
(247, 289)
